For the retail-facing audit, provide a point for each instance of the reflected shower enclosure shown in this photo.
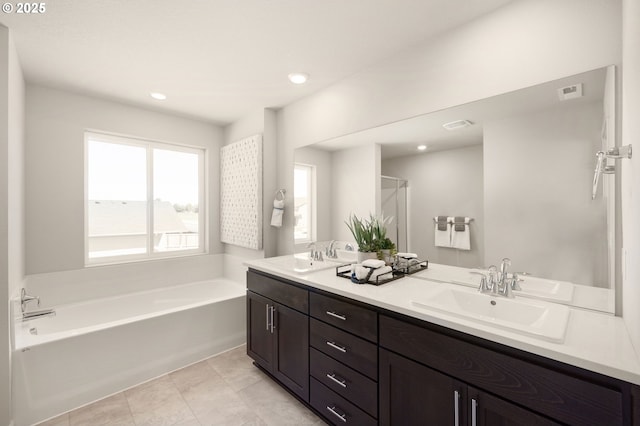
(393, 195)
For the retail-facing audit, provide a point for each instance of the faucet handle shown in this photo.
(516, 280)
(483, 287)
(26, 298)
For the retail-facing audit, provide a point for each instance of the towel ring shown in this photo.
(280, 193)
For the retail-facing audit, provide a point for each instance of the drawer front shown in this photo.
(360, 321)
(336, 409)
(279, 291)
(357, 353)
(345, 381)
(560, 396)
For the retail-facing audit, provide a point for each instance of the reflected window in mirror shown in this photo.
(304, 203)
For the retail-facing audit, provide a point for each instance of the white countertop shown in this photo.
(594, 341)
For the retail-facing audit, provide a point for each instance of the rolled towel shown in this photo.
(361, 272)
(380, 271)
(407, 255)
(373, 263)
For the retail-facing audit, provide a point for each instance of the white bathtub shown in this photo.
(93, 349)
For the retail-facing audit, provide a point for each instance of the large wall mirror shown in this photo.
(522, 170)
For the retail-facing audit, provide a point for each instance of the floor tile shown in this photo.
(159, 402)
(62, 420)
(113, 410)
(236, 368)
(276, 406)
(224, 390)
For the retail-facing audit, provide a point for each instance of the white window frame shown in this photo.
(301, 243)
(149, 145)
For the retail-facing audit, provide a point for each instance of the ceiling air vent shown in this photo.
(570, 92)
(458, 124)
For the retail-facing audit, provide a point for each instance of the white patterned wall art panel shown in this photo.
(241, 193)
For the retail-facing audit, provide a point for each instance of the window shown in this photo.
(143, 199)
(304, 205)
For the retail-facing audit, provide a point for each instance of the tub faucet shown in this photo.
(38, 314)
(26, 298)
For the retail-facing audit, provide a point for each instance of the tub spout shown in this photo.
(38, 314)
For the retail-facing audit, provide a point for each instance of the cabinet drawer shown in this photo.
(336, 409)
(357, 353)
(279, 291)
(360, 321)
(345, 381)
(561, 396)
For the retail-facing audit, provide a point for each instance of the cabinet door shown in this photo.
(291, 365)
(259, 335)
(488, 410)
(412, 394)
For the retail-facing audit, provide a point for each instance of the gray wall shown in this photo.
(631, 168)
(56, 122)
(494, 54)
(443, 183)
(537, 183)
(12, 264)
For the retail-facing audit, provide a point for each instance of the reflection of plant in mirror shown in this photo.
(371, 235)
(362, 232)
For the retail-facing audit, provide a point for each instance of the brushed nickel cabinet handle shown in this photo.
(267, 320)
(333, 377)
(338, 347)
(333, 411)
(456, 408)
(273, 318)
(474, 412)
(333, 314)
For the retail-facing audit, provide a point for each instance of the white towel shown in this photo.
(278, 211)
(361, 272)
(407, 255)
(461, 239)
(373, 263)
(443, 238)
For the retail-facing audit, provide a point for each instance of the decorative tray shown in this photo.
(410, 266)
(344, 271)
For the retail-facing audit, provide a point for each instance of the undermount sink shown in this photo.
(299, 263)
(528, 317)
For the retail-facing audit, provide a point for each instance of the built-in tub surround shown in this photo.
(593, 341)
(92, 349)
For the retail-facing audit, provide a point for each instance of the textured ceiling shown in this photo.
(217, 60)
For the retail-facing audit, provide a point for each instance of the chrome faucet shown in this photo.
(330, 251)
(497, 283)
(314, 254)
(26, 298)
(38, 314)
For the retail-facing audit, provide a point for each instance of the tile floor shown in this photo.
(226, 389)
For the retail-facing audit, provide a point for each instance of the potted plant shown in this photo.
(371, 237)
(385, 248)
(362, 232)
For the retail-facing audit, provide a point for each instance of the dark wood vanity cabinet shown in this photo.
(344, 360)
(278, 330)
(358, 364)
(497, 385)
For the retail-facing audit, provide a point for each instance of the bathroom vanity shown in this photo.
(366, 355)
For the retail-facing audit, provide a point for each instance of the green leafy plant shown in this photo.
(370, 234)
(362, 232)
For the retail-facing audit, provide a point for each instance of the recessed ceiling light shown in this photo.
(298, 77)
(458, 124)
(158, 96)
(422, 147)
